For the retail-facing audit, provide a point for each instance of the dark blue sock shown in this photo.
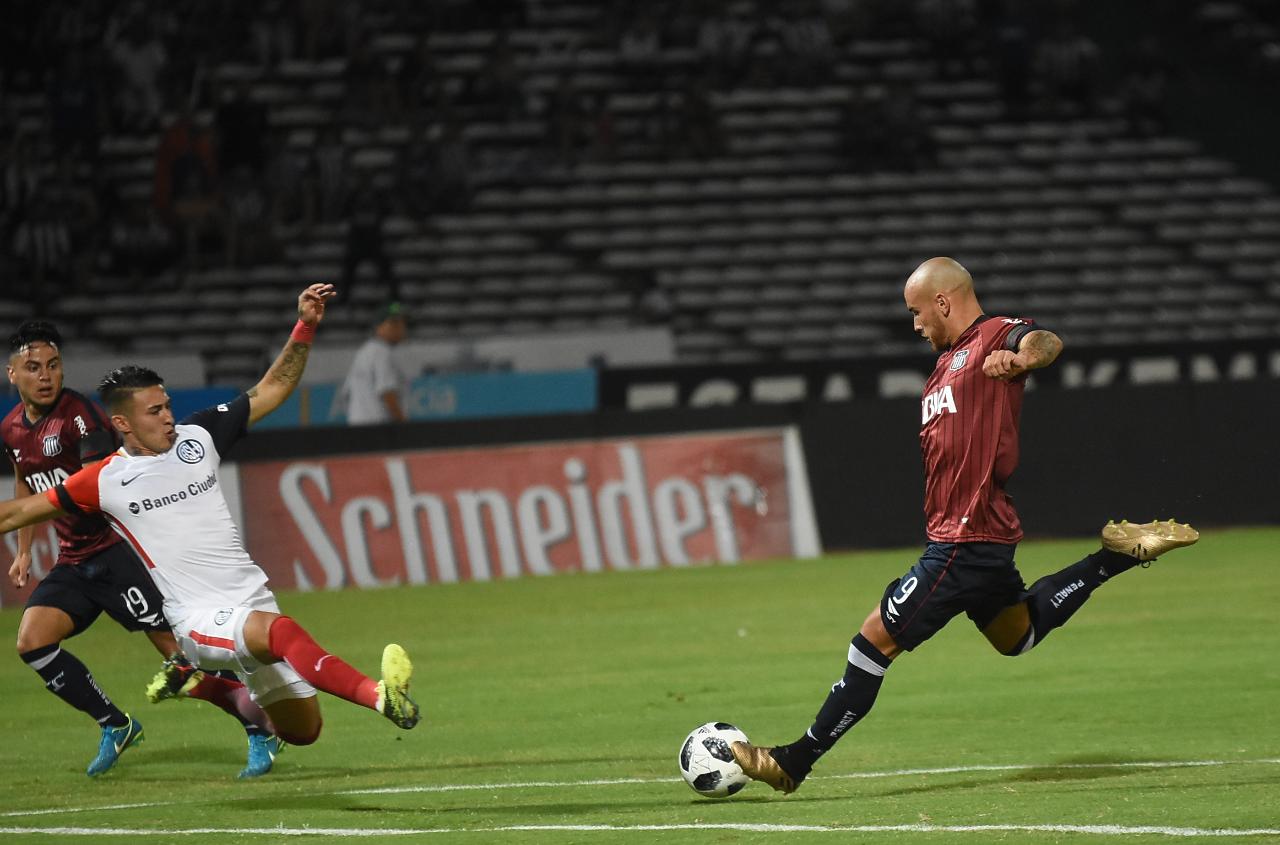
(1055, 598)
(848, 702)
(69, 679)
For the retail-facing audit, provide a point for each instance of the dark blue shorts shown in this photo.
(978, 579)
(113, 580)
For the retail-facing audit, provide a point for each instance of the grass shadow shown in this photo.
(1083, 768)
(1089, 767)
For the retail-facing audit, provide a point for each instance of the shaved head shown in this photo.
(940, 297)
(942, 275)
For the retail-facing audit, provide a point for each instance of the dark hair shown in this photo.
(120, 384)
(34, 331)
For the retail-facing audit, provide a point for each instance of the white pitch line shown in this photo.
(1094, 829)
(1024, 767)
(943, 770)
(553, 784)
(523, 784)
(54, 810)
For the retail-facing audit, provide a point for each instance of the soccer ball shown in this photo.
(707, 763)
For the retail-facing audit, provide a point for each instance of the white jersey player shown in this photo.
(161, 492)
(170, 508)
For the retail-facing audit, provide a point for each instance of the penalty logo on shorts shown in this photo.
(52, 446)
(221, 617)
(957, 360)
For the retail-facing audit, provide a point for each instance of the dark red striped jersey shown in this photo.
(969, 438)
(75, 432)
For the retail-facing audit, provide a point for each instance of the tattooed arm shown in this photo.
(1038, 348)
(285, 373)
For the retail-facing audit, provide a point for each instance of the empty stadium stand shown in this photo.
(777, 239)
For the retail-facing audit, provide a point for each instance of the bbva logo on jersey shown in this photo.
(39, 482)
(937, 402)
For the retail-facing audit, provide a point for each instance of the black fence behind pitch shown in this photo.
(1203, 452)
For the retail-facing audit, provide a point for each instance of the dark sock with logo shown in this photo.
(69, 679)
(1054, 598)
(848, 702)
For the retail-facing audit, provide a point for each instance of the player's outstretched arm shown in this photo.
(1037, 348)
(284, 375)
(28, 510)
(22, 560)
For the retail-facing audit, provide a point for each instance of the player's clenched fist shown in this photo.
(1003, 364)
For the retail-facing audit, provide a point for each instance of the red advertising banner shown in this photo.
(504, 512)
(44, 553)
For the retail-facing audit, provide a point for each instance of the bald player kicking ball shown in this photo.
(969, 441)
(161, 493)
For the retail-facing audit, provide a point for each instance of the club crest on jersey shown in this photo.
(52, 446)
(958, 359)
(190, 452)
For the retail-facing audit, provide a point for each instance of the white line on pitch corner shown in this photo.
(1093, 829)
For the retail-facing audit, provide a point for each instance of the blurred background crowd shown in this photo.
(518, 165)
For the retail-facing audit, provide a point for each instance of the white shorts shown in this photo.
(213, 638)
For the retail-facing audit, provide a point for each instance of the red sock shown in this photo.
(321, 669)
(232, 697)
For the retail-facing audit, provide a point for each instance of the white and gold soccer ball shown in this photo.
(707, 764)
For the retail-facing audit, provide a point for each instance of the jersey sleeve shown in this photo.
(101, 439)
(95, 446)
(1011, 331)
(79, 493)
(226, 423)
(97, 438)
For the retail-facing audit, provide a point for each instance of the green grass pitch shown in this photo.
(535, 687)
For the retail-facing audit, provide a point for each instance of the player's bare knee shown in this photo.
(297, 720)
(31, 637)
(874, 630)
(298, 737)
(1010, 642)
(1009, 631)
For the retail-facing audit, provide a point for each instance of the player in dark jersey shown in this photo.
(969, 442)
(52, 433)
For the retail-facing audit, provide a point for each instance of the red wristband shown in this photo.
(303, 332)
